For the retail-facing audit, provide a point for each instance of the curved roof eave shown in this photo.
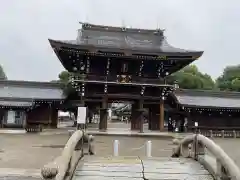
(165, 48)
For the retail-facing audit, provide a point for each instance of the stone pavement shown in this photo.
(25, 153)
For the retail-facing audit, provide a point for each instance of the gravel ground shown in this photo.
(132, 146)
(231, 147)
(25, 151)
(32, 151)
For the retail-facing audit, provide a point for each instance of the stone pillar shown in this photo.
(161, 116)
(103, 116)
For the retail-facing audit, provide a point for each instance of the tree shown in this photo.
(64, 76)
(2, 74)
(230, 79)
(191, 78)
(64, 80)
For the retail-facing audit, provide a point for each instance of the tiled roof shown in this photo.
(30, 90)
(208, 98)
(139, 40)
(16, 103)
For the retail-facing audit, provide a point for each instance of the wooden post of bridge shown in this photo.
(161, 115)
(103, 115)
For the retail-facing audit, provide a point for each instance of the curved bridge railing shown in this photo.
(209, 154)
(63, 166)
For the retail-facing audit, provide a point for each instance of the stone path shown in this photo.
(135, 168)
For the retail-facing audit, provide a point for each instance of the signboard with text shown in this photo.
(81, 115)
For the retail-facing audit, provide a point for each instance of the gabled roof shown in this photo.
(208, 99)
(119, 38)
(30, 90)
(24, 93)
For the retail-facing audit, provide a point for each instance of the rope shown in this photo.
(132, 149)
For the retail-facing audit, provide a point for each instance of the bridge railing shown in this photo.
(64, 165)
(209, 154)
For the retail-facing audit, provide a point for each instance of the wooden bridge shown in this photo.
(191, 160)
(135, 168)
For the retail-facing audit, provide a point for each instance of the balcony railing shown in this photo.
(118, 78)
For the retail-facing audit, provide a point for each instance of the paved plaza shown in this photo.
(29, 151)
(26, 153)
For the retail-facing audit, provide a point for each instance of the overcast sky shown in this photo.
(25, 26)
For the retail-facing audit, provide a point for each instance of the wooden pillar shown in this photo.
(49, 115)
(150, 118)
(161, 116)
(134, 124)
(154, 116)
(103, 115)
(137, 116)
(2, 114)
(140, 115)
(54, 117)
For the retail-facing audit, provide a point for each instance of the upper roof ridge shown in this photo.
(89, 26)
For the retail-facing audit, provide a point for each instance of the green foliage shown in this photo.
(2, 74)
(191, 78)
(64, 80)
(230, 79)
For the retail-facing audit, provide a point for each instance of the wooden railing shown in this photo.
(134, 79)
(209, 154)
(63, 166)
(220, 133)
